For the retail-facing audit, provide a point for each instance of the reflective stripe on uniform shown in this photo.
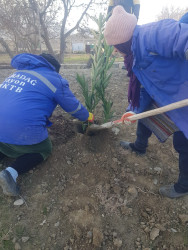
(40, 77)
(111, 3)
(136, 2)
(78, 108)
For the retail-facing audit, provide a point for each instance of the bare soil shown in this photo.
(91, 194)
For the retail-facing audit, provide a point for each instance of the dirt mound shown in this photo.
(61, 130)
(91, 194)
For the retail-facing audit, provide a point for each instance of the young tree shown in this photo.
(95, 90)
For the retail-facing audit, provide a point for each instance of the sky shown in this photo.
(151, 8)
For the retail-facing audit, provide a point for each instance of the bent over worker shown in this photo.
(157, 67)
(28, 98)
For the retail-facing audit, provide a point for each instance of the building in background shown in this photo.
(77, 43)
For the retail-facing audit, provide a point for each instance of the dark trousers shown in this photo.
(180, 143)
(25, 162)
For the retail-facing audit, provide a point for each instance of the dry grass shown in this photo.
(4, 58)
(69, 58)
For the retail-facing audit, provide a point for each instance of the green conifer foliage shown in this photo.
(94, 92)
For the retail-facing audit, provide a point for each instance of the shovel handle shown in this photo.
(172, 106)
(175, 105)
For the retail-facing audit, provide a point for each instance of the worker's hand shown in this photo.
(91, 117)
(125, 117)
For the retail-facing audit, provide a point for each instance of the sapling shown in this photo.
(94, 92)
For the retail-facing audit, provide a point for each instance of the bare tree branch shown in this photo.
(5, 45)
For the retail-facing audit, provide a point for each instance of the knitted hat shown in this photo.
(120, 26)
(51, 59)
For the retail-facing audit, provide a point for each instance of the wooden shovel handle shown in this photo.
(172, 106)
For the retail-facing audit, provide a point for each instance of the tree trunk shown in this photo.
(62, 48)
(45, 37)
(6, 47)
(63, 34)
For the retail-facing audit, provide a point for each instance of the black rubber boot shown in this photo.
(130, 146)
(170, 192)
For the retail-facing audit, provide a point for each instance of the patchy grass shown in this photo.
(7, 245)
(4, 58)
(82, 58)
(5, 242)
(19, 230)
(76, 58)
(119, 59)
(69, 58)
(45, 211)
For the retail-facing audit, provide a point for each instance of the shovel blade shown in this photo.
(96, 127)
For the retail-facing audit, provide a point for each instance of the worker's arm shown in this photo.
(66, 99)
(167, 38)
(184, 18)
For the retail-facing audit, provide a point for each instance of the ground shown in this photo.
(91, 194)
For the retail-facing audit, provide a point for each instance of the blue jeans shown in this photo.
(180, 143)
(181, 146)
(143, 134)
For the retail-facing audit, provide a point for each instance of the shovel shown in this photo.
(172, 106)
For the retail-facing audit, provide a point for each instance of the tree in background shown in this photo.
(19, 25)
(28, 23)
(172, 13)
(47, 26)
(8, 25)
(68, 6)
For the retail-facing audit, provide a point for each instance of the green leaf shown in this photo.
(95, 92)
